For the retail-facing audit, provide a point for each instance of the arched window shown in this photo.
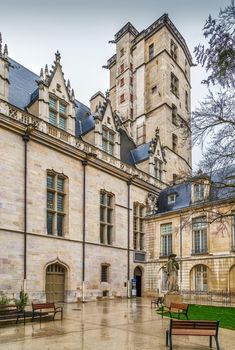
(201, 278)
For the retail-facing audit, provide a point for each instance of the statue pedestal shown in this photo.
(172, 298)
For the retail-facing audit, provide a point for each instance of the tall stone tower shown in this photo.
(150, 89)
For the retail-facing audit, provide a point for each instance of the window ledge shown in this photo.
(200, 253)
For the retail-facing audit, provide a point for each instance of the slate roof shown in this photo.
(140, 153)
(183, 193)
(23, 90)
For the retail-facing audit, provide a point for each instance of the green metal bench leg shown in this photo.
(167, 337)
(217, 343)
(210, 341)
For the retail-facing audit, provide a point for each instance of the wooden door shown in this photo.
(55, 278)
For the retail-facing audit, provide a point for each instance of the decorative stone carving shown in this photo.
(151, 203)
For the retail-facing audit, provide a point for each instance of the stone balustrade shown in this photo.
(43, 126)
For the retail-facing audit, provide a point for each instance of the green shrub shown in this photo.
(22, 301)
(4, 300)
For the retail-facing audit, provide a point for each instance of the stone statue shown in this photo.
(172, 267)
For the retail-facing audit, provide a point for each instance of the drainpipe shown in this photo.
(128, 238)
(26, 139)
(129, 182)
(181, 248)
(84, 164)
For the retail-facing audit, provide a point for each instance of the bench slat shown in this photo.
(198, 332)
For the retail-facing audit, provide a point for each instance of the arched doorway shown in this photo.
(55, 283)
(138, 278)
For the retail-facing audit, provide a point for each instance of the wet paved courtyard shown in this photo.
(111, 324)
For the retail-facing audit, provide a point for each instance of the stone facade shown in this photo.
(46, 135)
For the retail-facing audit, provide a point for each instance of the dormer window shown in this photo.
(171, 198)
(57, 113)
(199, 192)
(158, 169)
(108, 141)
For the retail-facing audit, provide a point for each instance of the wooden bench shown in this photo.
(157, 302)
(179, 308)
(39, 310)
(10, 312)
(193, 328)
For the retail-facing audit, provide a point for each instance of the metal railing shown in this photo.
(212, 297)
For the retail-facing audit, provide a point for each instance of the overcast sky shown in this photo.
(81, 29)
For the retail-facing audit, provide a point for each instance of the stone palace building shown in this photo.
(90, 198)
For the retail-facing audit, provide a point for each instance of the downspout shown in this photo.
(84, 164)
(129, 182)
(26, 138)
(128, 238)
(181, 249)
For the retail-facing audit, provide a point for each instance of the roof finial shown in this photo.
(5, 52)
(57, 56)
(72, 95)
(46, 70)
(0, 44)
(107, 94)
(68, 84)
(41, 75)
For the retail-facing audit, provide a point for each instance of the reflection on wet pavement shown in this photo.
(112, 324)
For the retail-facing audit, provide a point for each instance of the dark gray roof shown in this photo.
(183, 192)
(84, 120)
(125, 148)
(140, 153)
(23, 84)
(23, 90)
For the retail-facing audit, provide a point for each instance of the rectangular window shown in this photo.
(121, 52)
(199, 235)
(52, 103)
(106, 218)
(62, 108)
(52, 118)
(122, 82)
(174, 115)
(174, 142)
(199, 192)
(151, 51)
(49, 223)
(57, 113)
(138, 226)
(122, 68)
(186, 101)
(55, 204)
(174, 50)
(104, 273)
(122, 98)
(140, 134)
(62, 122)
(158, 169)
(171, 198)
(108, 141)
(166, 239)
(174, 85)
(131, 97)
(131, 81)
(131, 67)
